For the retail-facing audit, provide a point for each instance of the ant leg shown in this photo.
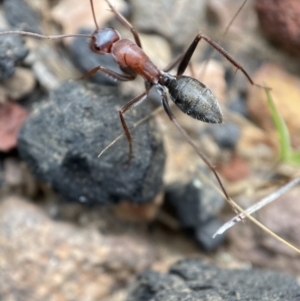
(188, 54)
(192, 143)
(122, 77)
(125, 108)
(126, 23)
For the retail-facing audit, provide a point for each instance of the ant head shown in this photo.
(103, 39)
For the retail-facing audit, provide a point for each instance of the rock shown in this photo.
(12, 172)
(238, 105)
(21, 16)
(12, 117)
(12, 51)
(280, 23)
(226, 136)
(203, 235)
(170, 19)
(193, 203)
(42, 259)
(284, 87)
(15, 178)
(195, 280)
(17, 86)
(64, 135)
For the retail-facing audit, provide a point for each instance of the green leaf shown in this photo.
(294, 158)
(286, 153)
(282, 130)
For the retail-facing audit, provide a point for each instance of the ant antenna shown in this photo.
(234, 17)
(94, 16)
(40, 36)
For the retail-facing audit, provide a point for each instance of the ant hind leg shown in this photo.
(192, 143)
(188, 54)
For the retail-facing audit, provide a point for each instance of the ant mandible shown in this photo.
(189, 94)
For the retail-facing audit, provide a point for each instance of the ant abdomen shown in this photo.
(195, 99)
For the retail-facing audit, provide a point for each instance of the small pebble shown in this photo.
(226, 136)
(12, 51)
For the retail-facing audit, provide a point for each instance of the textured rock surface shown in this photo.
(63, 137)
(195, 280)
(196, 206)
(280, 22)
(20, 15)
(42, 259)
(12, 51)
(194, 203)
(226, 136)
(17, 86)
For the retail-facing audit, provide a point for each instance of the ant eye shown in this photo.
(97, 47)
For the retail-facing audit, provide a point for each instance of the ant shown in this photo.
(189, 94)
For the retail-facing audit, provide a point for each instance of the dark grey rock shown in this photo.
(85, 60)
(19, 15)
(203, 234)
(195, 280)
(12, 51)
(226, 136)
(193, 203)
(239, 105)
(63, 137)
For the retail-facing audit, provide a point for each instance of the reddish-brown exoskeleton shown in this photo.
(190, 95)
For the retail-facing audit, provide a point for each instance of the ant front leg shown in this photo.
(188, 54)
(126, 24)
(115, 75)
(127, 106)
